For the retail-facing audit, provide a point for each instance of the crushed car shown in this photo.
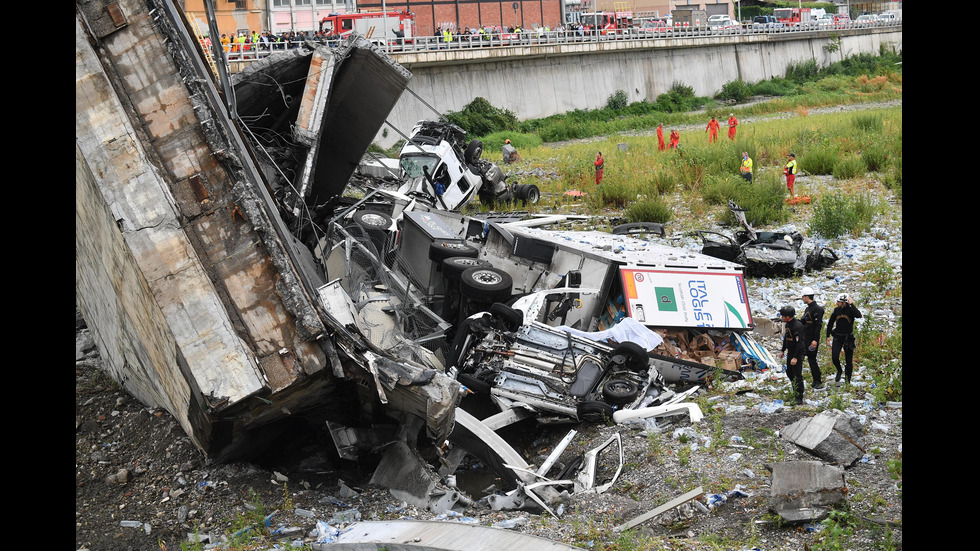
(765, 253)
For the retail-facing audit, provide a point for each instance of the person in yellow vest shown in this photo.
(746, 167)
(790, 171)
(240, 42)
(447, 36)
(225, 42)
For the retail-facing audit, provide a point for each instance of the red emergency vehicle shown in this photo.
(400, 25)
(607, 22)
(792, 17)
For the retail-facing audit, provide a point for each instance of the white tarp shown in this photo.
(627, 330)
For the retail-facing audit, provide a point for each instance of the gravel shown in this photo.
(141, 483)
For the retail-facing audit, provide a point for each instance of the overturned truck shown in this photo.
(229, 279)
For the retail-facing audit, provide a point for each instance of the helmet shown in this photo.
(843, 297)
(787, 312)
(807, 291)
(506, 141)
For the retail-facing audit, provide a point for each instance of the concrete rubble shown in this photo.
(831, 435)
(804, 491)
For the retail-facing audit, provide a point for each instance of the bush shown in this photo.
(651, 209)
(868, 122)
(762, 201)
(875, 157)
(773, 87)
(479, 118)
(619, 100)
(836, 215)
(802, 71)
(820, 161)
(680, 97)
(735, 90)
(848, 167)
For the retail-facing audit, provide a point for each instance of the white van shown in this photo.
(720, 23)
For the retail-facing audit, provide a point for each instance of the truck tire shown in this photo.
(620, 391)
(473, 152)
(486, 284)
(640, 227)
(441, 249)
(529, 195)
(376, 225)
(635, 358)
(593, 411)
(511, 318)
(454, 266)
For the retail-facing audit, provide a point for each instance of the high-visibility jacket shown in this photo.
(747, 165)
(791, 167)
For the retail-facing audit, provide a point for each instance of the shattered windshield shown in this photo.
(413, 164)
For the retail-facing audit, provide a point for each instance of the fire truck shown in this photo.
(793, 17)
(391, 25)
(607, 22)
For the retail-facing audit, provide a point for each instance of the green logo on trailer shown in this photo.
(666, 302)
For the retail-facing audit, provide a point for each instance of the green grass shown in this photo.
(837, 214)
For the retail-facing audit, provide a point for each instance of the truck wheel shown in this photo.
(486, 284)
(441, 249)
(594, 411)
(473, 151)
(454, 266)
(376, 226)
(530, 195)
(620, 391)
(635, 358)
(640, 227)
(512, 319)
(372, 220)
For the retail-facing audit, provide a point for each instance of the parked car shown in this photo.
(866, 20)
(888, 18)
(720, 23)
(766, 22)
(655, 27)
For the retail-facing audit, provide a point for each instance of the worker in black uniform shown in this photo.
(812, 320)
(793, 343)
(841, 328)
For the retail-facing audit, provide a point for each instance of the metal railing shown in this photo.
(253, 52)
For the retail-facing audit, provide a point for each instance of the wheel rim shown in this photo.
(487, 277)
(533, 195)
(374, 220)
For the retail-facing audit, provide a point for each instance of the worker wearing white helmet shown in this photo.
(812, 320)
(841, 328)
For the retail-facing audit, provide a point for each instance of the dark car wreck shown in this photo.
(765, 253)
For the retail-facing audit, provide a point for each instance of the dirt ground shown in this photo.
(141, 484)
(135, 464)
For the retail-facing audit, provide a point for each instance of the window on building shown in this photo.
(240, 5)
(280, 3)
(301, 2)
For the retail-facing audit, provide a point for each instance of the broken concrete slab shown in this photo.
(804, 491)
(831, 435)
(679, 500)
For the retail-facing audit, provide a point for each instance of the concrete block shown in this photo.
(832, 436)
(804, 491)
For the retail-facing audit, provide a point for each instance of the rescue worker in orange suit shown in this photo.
(675, 138)
(712, 130)
(598, 168)
(660, 137)
(790, 171)
(732, 123)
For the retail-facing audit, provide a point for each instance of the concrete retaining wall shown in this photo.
(538, 81)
